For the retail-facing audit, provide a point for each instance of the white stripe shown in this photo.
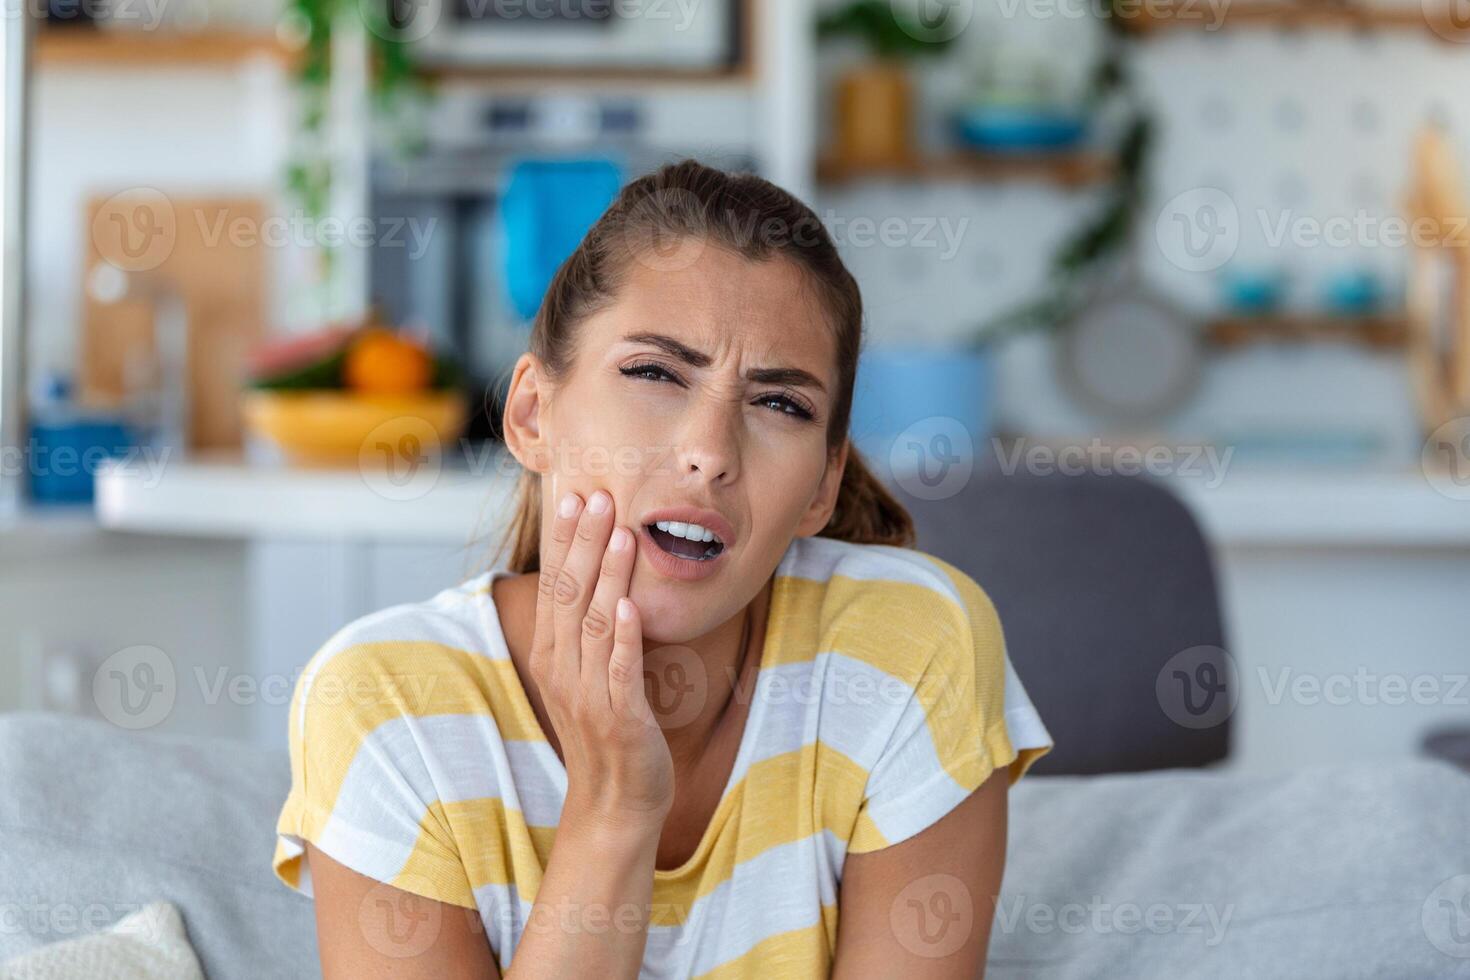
(452, 618)
(724, 924)
(819, 559)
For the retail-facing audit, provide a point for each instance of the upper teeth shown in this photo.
(693, 532)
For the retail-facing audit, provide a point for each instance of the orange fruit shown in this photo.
(381, 362)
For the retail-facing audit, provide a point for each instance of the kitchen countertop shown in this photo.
(228, 497)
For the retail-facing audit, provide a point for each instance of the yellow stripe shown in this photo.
(918, 635)
(804, 952)
(498, 847)
(769, 819)
(370, 684)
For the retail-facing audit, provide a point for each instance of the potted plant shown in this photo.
(874, 123)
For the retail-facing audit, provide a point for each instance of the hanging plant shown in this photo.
(395, 88)
(1092, 249)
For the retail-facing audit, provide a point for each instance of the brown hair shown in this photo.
(752, 217)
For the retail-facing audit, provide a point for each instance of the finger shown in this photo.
(576, 580)
(626, 695)
(563, 528)
(597, 625)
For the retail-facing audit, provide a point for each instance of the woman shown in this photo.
(717, 717)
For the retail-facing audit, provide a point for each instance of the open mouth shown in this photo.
(688, 541)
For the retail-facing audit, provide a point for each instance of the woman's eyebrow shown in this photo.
(694, 358)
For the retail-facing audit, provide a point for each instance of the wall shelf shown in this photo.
(1069, 169)
(94, 47)
(1383, 332)
(1191, 15)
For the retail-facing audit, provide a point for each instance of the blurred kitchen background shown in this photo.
(1218, 242)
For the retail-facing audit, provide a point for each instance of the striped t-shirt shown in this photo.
(884, 697)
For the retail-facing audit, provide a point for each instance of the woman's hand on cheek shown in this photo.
(587, 661)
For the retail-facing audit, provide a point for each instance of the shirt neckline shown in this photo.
(753, 719)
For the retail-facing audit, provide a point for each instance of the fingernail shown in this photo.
(568, 505)
(598, 503)
(625, 608)
(620, 539)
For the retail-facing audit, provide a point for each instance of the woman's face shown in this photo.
(671, 403)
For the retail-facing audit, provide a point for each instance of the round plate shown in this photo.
(1130, 356)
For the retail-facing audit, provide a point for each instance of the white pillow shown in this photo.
(149, 944)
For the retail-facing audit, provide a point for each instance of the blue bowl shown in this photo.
(1253, 292)
(1019, 128)
(922, 395)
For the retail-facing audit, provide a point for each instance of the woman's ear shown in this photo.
(825, 501)
(522, 417)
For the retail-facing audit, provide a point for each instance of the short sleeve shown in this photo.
(361, 790)
(967, 715)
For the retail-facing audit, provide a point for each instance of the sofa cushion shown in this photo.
(1360, 871)
(1350, 872)
(97, 822)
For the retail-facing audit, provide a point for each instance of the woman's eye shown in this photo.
(787, 406)
(648, 372)
(657, 372)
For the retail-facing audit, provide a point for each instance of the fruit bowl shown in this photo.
(333, 427)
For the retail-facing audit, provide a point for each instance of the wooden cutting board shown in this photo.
(211, 252)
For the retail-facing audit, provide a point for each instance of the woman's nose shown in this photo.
(709, 448)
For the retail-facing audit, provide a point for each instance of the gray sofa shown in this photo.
(1331, 873)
